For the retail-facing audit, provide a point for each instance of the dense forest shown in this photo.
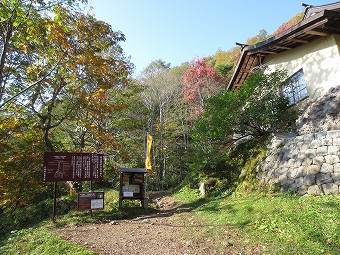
(66, 85)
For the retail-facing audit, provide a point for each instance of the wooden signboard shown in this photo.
(64, 166)
(90, 201)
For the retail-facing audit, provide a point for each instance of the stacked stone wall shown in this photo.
(308, 162)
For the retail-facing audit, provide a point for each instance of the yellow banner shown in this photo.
(148, 153)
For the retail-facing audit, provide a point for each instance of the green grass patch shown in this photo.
(38, 241)
(283, 224)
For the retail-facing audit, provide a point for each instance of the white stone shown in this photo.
(282, 178)
(333, 150)
(333, 134)
(202, 189)
(293, 173)
(314, 190)
(336, 141)
(318, 160)
(322, 151)
(327, 141)
(291, 163)
(330, 188)
(326, 168)
(313, 169)
(337, 168)
(336, 178)
(297, 163)
(332, 159)
(315, 144)
(302, 171)
(311, 153)
(307, 162)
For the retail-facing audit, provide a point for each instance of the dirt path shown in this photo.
(170, 231)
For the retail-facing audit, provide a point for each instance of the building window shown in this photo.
(296, 89)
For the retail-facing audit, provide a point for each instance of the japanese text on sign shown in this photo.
(64, 166)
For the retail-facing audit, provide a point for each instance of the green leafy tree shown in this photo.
(256, 110)
(56, 64)
(160, 94)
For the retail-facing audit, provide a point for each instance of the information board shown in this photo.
(90, 201)
(64, 166)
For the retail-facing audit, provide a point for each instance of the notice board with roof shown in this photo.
(132, 185)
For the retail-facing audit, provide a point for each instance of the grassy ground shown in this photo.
(280, 224)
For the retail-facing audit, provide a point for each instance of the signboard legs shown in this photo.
(91, 191)
(54, 201)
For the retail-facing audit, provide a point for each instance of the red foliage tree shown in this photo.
(200, 82)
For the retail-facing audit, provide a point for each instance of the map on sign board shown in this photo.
(64, 166)
(97, 203)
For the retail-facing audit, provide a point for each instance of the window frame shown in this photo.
(295, 89)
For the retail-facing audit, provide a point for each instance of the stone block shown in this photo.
(318, 160)
(323, 178)
(282, 178)
(307, 162)
(315, 144)
(327, 142)
(303, 145)
(326, 168)
(313, 169)
(311, 153)
(299, 181)
(314, 190)
(293, 187)
(290, 163)
(301, 154)
(330, 188)
(333, 134)
(332, 159)
(285, 156)
(309, 179)
(321, 134)
(322, 151)
(302, 171)
(333, 150)
(337, 168)
(297, 163)
(303, 190)
(308, 137)
(294, 153)
(293, 173)
(336, 141)
(336, 178)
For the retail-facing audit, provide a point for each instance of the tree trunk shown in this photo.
(4, 53)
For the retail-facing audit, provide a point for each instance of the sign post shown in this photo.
(54, 201)
(65, 166)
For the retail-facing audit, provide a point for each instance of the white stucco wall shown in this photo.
(319, 59)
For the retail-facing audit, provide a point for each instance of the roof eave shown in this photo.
(290, 33)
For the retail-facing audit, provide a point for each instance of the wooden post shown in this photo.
(91, 214)
(54, 202)
(120, 191)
